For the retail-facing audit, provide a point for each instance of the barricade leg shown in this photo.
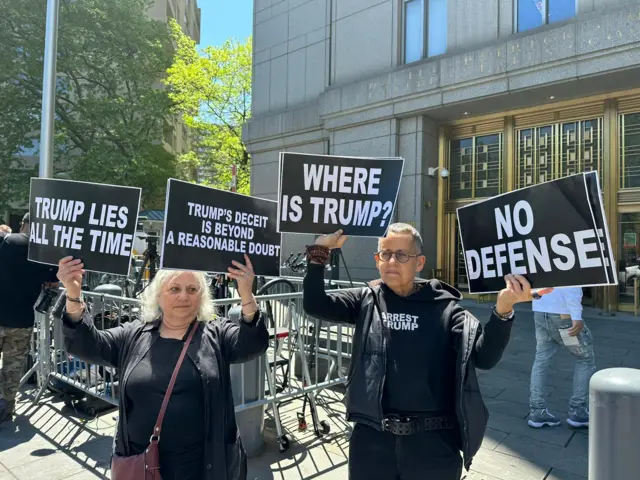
(44, 355)
(274, 404)
(614, 429)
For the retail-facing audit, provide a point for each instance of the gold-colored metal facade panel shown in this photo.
(629, 197)
(475, 166)
(629, 104)
(629, 128)
(532, 119)
(469, 130)
(557, 150)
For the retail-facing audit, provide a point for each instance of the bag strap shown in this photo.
(156, 431)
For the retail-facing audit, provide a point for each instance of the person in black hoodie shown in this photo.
(412, 389)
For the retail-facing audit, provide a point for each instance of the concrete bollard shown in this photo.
(614, 429)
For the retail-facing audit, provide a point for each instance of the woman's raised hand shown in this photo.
(70, 273)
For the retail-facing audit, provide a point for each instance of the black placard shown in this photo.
(320, 194)
(90, 221)
(596, 202)
(548, 232)
(206, 228)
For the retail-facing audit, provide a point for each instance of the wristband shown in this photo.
(75, 300)
(504, 316)
(318, 253)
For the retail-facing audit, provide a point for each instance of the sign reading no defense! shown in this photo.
(207, 228)
(320, 194)
(90, 221)
(554, 233)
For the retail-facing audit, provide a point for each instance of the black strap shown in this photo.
(167, 395)
(398, 425)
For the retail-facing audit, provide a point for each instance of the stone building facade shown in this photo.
(501, 93)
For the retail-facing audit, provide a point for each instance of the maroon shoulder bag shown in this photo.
(146, 466)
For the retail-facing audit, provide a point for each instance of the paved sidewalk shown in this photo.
(51, 442)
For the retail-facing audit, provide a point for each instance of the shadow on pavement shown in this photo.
(46, 430)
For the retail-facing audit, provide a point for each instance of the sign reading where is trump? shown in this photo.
(206, 228)
(549, 233)
(320, 194)
(90, 221)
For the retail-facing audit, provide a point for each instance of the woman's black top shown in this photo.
(182, 436)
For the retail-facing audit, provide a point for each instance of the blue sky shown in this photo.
(222, 19)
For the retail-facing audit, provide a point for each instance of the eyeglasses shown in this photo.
(401, 256)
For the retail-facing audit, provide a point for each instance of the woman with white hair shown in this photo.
(199, 435)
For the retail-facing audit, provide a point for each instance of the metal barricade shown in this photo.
(297, 342)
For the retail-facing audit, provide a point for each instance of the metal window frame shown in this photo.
(425, 24)
(516, 26)
(425, 31)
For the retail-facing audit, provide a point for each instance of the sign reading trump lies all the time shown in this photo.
(554, 234)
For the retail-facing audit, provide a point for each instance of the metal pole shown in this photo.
(613, 429)
(49, 90)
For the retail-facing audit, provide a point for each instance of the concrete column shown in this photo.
(614, 433)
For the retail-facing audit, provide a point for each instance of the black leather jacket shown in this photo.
(477, 347)
(215, 346)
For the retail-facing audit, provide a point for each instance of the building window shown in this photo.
(555, 151)
(535, 13)
(416, 41)
(630, 151)
(475, 166)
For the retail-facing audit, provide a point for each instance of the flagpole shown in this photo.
(47, 122)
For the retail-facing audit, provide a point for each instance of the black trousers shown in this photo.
(430, 455)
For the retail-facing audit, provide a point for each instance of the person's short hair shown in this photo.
(25, 219)
(400, 228)
(150, 297)
(5, 228)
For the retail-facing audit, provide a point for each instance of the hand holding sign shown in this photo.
(332, 241)
(243, 275)
(518, 291)
(70, 273)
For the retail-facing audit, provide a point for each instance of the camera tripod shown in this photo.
(151, 260)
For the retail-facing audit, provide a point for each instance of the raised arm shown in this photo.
(338, 306)
(248, 338)
(81, 337)
(244, 341)
(491, 340)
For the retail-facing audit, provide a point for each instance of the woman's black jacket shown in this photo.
(215, 346)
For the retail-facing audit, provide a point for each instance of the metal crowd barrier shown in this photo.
(304, 357)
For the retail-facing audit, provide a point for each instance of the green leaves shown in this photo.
(110, 111)
(212, 90)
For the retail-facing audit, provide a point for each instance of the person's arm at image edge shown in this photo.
(81, 337)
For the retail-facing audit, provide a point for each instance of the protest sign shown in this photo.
(90, 221)
(597, 205)
(206, 228)
(320, 194)
(547, 232)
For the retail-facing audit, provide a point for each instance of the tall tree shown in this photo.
(110, 112)
(212, 90)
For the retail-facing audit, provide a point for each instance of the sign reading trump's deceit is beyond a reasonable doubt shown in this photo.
(93, 222)
(553, 233)
(207, 228)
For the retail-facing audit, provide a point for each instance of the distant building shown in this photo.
(502, 93)
(187, 14)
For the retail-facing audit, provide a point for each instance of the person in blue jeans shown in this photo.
(558, 320)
